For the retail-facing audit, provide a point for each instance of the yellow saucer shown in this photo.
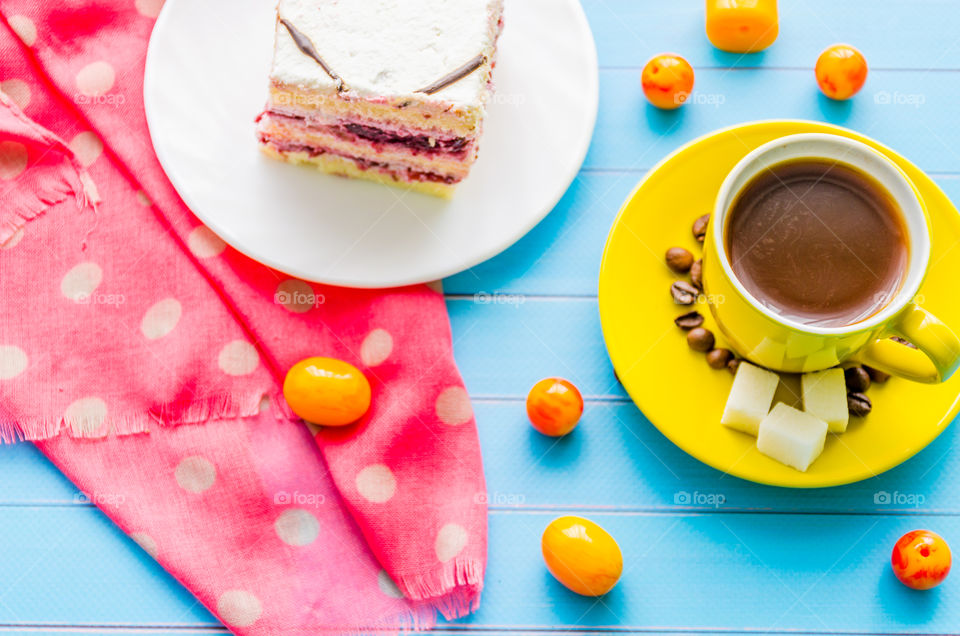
(673, 385)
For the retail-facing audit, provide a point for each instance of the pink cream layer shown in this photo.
(379, 136)
(398, 172)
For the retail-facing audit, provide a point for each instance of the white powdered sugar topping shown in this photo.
(389, 48)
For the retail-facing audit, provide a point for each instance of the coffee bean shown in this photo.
(700, 339)
(857, 378)
(719, 358)
(905, 343)
(877, 375)
(696, 274)
(688, 321)
(733, 365)
(683, 293)
(859, 404)
(679, 260)
(700, 228)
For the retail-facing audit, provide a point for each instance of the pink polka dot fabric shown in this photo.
(144, 356)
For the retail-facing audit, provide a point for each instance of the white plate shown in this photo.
(206, 81)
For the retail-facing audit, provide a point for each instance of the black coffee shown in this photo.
(819, 242)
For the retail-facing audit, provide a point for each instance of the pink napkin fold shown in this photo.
(144, 356)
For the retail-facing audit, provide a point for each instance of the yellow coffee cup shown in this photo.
(764, 336)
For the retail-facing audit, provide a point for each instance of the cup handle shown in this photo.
(936, 357)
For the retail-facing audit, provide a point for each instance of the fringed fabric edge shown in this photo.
(49, 187)
(93, 426)
(453, 589)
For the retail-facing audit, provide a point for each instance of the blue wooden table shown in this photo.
(704, 553)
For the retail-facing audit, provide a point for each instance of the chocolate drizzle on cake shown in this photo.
(455, 76)
(306, 46)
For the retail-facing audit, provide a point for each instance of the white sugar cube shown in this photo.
(769, 351)
(750, 398)
(791, 437)
(825, 397)
(821, 359)
(801, 345)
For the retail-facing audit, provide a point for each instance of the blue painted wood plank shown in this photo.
(770, 572)
(555, 337)
(891, 34)
(910, 111)
(27, 477)
(759, 572)
(71, 565)
(707, 572)
(561, 256)
(617, 460)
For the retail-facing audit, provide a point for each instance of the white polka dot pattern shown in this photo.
(387, 585)
(196, 474)
(95, 79)
(81, 281)
(161, 318)
(24, 27)
(146, 542)
(296, 296)
(149, 8)
(18, 91)
(13, 240)
(88, 148)
(86, 417)
(203, 243)
(453, 406)
(238, 358)
(13, 361)
(376, 347)
(239, 608)
(13, 159)
(297, 527)
(451, 540)
(376, 483)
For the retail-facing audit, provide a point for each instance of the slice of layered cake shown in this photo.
(387, 90)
